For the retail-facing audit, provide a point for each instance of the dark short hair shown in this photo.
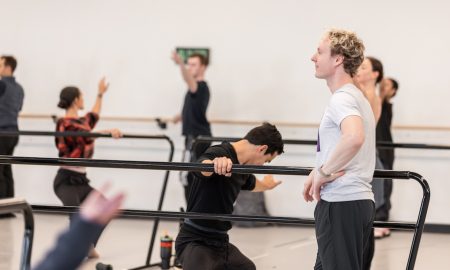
(266, 134)
(68, 96)
(394, 85)
(203, 60)
(10, 61)
(377, 66)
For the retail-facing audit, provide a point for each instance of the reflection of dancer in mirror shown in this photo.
(193, 115)
(71, 184)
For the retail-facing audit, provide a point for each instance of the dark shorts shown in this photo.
(344, 233)
(71, 187)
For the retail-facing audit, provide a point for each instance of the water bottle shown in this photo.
(166, 251)
(101, 266)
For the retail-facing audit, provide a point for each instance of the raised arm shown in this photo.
(102, 88)
(187, 77)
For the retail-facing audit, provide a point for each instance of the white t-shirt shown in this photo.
(356, 183)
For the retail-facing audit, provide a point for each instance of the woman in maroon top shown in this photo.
(71, 184)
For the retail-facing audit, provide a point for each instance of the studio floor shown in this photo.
(125, 242)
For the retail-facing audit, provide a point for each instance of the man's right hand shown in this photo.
(177, 58)
(222, 166)
(176, 119)
(308, 186)
(102, 86)
(319, 181)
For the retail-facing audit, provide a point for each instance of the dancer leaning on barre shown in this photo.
(204, 244)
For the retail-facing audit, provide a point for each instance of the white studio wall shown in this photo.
(258, 48)
(260, 70)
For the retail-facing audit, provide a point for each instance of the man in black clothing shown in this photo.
(11, 101)
(204, 244)
(389, 88)
(193, 115)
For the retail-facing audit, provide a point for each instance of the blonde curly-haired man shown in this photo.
(345, 161)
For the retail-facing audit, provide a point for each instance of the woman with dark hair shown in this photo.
(71, 184)
(388, 90)
(369, 76)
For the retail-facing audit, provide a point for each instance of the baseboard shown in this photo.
(437, 228)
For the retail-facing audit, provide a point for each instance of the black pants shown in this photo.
(387, 157)
(72, 188)
(382, 213)
(199, 250)
(343, 231)
(7, 145)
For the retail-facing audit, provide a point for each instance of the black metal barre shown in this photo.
(78, 134)
(101, 135)
(380, 144)
(222, 217)
(177, 166)
(412, 146)
(426, 190)
(14, 205)
(418, 228)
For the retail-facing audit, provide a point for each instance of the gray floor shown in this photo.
(125, 242)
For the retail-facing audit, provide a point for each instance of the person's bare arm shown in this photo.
(102, 88)
(267, 183)
(187, 77)
(374, 100)
(378, 107)
(351, 141)
(115, 133)
(177, 119)
(375, 104)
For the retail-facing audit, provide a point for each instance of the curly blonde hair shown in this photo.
(347, 44)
